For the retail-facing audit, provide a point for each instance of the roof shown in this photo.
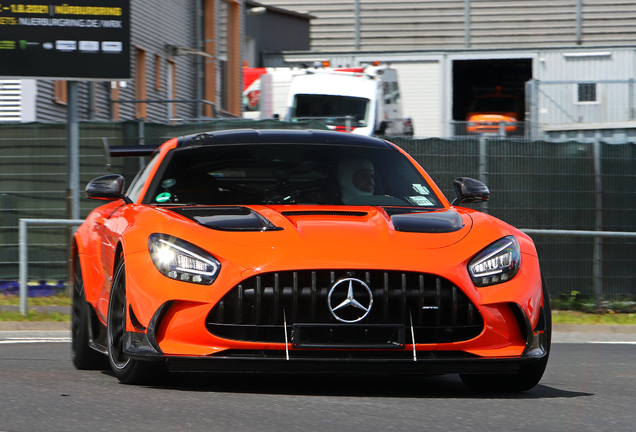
(278, 136)
(253, 4)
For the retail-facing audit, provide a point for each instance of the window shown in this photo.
(141, 111)
(587, 93)
(315, 174)
(114, 95)
(157, 72)
(222, 75)
(140, 179)
(60, 94)
(172, 88)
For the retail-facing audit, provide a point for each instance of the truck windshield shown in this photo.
(334, 109)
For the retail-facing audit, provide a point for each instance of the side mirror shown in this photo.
(108, 187)
(469, 190)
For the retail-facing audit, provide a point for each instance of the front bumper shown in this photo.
(276, 362)
(141, 346)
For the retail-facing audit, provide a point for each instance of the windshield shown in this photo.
(331, 107)
(289, 174)
(495, 104)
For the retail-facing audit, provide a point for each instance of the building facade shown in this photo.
(571, 62)
(188, 51)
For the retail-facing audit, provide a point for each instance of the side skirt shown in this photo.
(97, 333)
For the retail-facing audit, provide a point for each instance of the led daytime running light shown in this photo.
(180, 260)
(497, 263)
(188, 260)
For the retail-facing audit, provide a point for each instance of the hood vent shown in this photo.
(325, 213)
(227, 218)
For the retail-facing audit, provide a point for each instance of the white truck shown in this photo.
(361, 100)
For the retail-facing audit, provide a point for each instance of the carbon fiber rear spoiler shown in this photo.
(129, 151)
(126, 151)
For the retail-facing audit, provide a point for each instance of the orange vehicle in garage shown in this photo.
(487, 113)
(303, 251)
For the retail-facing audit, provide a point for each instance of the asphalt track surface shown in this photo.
(588, 386)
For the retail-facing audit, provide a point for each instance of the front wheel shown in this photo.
(529, 374)
(127, 371)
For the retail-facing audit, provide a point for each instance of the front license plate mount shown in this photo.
(348, 336)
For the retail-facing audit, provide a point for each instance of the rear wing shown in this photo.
(126, 151)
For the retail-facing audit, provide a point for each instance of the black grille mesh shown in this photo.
(256, 309)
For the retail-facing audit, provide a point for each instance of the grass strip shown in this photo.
(34, 316)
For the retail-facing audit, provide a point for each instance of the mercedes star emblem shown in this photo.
(353, 300)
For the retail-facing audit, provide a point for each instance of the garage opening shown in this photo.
(493, 86)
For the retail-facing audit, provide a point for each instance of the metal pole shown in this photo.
(483, 165)
(356, 13)
(198, 61)
(579, 23)
(597, 269)
(24, 258)
(142, 141)
(91, 100)
(631, 99)
(72, 151)
(467, 23)
(23, 252)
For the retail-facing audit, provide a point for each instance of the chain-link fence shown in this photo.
(33, 183)
(534, 185)
(545, 185)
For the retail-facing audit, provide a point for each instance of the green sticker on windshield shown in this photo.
(163, 197)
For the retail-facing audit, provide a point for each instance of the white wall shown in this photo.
(420, 89)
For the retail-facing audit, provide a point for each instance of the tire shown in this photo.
(528, 375)
(83, 356)
(127, 370)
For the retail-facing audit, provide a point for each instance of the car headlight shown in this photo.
(497, 263)
(180, 260)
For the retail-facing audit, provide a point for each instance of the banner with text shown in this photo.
(90, 40)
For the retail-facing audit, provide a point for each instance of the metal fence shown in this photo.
(543, 185)
(534, 185)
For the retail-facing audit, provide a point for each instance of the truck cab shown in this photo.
(363, 101)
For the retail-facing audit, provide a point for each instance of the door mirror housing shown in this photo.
(469, 190)
(109, 188)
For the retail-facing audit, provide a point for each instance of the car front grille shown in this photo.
(293, 306)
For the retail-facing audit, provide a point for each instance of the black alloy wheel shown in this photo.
(127, 370)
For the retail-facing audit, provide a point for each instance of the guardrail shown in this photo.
(24, 250)
(581, 233)
(23, 245)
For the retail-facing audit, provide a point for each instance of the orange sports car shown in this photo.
(302, 251)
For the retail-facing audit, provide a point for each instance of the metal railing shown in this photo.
(598, 281)
(24, 251)
(597, 259)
